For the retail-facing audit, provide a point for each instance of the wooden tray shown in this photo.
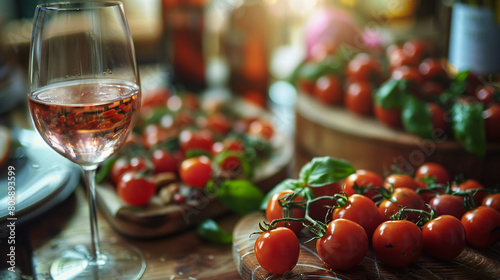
(471, 264)
(368, 144)
(156, 221)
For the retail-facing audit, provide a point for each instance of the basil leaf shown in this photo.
(417, 118)
(288, 184)
(468, 127)
(322, 171)
(241, 196)
(104, 170)
(209, 230)
(171, 145)
(392, 94)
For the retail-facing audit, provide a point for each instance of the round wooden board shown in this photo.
(471, 264)
(366, 143)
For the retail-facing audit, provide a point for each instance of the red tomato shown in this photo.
(196, 140)
(164, 161)
(363, 178)
(401, 197)
(134, 189)
(397, 58)
(328, 90)
(400, 181)
(218, 123)
(416, 49)
(482, 226)
(139, 163)
(433, 69)
(255, 98)
(358, 98)
(493, 201)
(486, 94)
(120, 166)
(431, 90)
(389, 117)
(491, 118)
(471, 185)
(154, 134)
(261, 128)
(447, 204)
(317, 210)
(439, 119)
(433, 170)
(444, 237)
(155, 98)
(361, 210)
(196, 171)
(275, 211)
(231, 164)
(408, 74)
(343, 246)
(364, 68)
(277, 250)
(397, 243)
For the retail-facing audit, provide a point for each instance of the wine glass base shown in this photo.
(65, 262)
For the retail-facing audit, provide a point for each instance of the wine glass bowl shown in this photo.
(83, 99)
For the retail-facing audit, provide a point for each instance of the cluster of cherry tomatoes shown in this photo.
(354, 81)
(180, 137)
(400, 217)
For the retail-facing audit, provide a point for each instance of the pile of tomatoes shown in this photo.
(406, 87)
(182, 140)
(400, 217)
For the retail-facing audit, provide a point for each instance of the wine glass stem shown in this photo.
(90, 181)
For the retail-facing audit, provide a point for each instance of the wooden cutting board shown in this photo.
(471, 264)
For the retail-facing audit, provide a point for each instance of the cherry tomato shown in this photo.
(196, 171)
(431, 90)
(261, 128)
(306, 86)
(139, 163)
(120, 166)
(154, 134)
(277, 250)
(343, 246)
(408, 74)
(275, 211)
(433, 69)
(400, 181)
(416, 49)
(363, 178)
(230, 164)
(444, 237)
(358, 98)
(165, 161)
(439, 119)
(471, 185)
(447, 204)
(487, 94)
(218, 123)
(397, 58)
(364, 68)
(328, 90)
(433, 170)
(134, 189)
(493, 201)
(397, 243)
(318, 209)
(196, 140)
(482, 226)
(155, 98)
(389, 117)
(359, 209)
(401, 197)
(255, 98)
(491, 118)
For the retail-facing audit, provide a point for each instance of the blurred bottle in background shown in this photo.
(182, 47)
(475, 36)
(245, 46)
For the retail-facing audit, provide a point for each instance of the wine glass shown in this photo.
(84, 96)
